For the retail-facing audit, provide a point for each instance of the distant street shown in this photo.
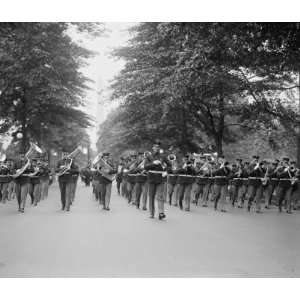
(125, 242)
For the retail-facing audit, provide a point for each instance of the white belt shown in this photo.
(170, 175)
(255, 178)
(185, 175)
(157, 172)
(285, 179)
(219, 177)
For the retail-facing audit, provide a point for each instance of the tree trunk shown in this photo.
(219, 144)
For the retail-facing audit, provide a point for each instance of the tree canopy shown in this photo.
(42, 87)
(199, 84)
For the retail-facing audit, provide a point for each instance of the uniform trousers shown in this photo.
(285, 193)
(184, 194)
(242, 191)
(105, 193)
(22, 192)
(198, 192)
(255, 192)
(170, 191)
(4, 191)
(269, 190)
(138, 193)
(145, 195)
(206, 191)
(156, 192)
(66, 189)
(219, 193)
(44, 188)
(35, 192)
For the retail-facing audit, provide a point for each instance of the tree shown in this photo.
(42, 87)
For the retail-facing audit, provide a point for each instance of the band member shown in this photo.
(172, 177)
(131, 178)
(286, 175)
(22, 180)
(220, 186)
(119, 176)
(107, 171)
(185, 180)
(45, 174)
(4, 180)
(255, 189)
(11, 189)
(34, 182)
(86, 175)
(66, 168)
(156, 171)
(236, 180)
(272, 183)
(201, 168)
(75, 177)
(242, 192)
(140, 179)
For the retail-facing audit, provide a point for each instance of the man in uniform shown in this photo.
(119, 176)
(185, 180)
(35, 183)
(22, 181)
(255, 188)
(220, 186)
(4, 180)
(45, 179)
(66, 181)
(155, 167)
(285, 173)
(105, 180)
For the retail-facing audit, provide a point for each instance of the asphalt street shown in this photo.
(125, 242)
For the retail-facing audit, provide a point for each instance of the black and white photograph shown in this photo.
(149, 149)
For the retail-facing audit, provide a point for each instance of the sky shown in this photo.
(101, 69)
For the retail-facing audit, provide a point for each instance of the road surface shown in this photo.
(125, 242)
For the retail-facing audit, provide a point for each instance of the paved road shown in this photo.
(125, 242)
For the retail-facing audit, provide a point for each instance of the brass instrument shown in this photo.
(33, 148)
(69, 160)
(293, 179)
(105, 167)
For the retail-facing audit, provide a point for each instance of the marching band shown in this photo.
(148, 180)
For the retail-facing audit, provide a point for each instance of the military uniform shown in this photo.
(22, 184)
(255, 187)
(220, 187)
(185, 180)
(285, 188)
(5, 180)
(156, 179)
(66, 183)
(105, 184)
